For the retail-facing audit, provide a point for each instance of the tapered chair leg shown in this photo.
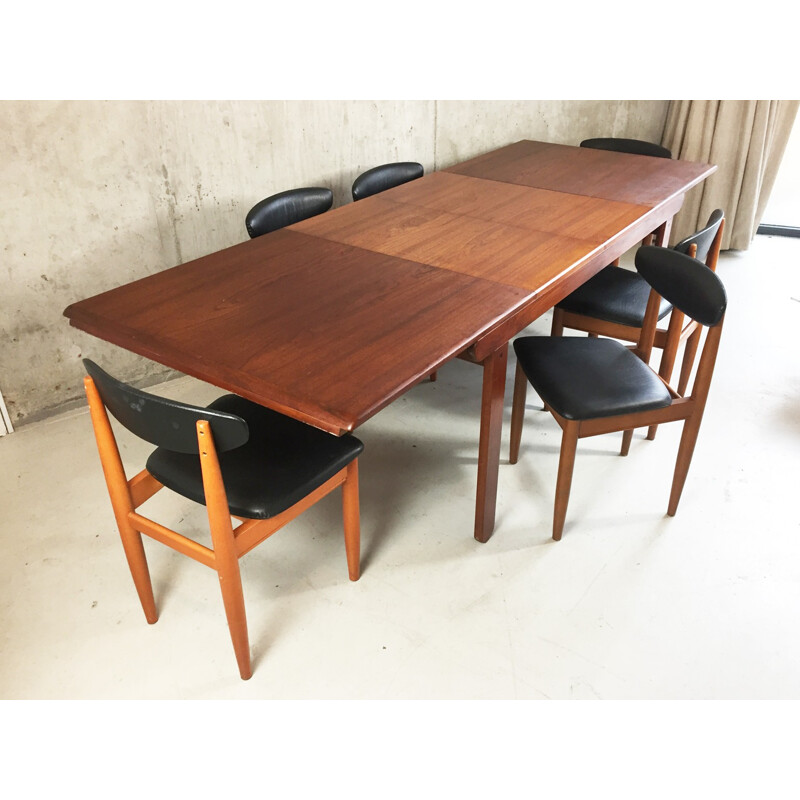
(517, 413)
(230, 582)
(352, 521)
(226, 561)
(226, 558)
(626, 442)
(121, 503)
(691, 428)
(137, 562)
(566, 464)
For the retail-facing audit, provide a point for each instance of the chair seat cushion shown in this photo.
(614, 295)
(584, 378)
(282, 461)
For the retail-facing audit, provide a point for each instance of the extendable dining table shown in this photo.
(331, 319)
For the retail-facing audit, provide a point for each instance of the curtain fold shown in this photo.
(746, 139)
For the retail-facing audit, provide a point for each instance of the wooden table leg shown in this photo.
(494, 384)
(661, 234)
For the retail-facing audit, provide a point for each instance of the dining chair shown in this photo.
(237, 458)
(595, 386)
(286, 208)
(613, 303)
(636, 147)
(386, 176)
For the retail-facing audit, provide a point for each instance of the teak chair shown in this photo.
(286, 208)
(386, 176)
(613, 303)
(238, 459)
(594, 386)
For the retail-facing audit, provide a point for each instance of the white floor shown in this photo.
(629, 605)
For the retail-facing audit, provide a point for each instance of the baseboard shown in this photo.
(778, 230)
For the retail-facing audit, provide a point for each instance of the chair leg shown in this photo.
(433, 377)
(226, 558)
(557, 328)
(121, 503)
(230, 582)
(137, 563)
(566, 464)
(352, 523)
(517, 413)
(691, 428)
(689, 353)
(626, 442)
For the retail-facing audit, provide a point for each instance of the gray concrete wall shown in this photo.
(96, 194)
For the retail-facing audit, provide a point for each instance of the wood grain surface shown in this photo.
(622, 177)
(331, 319)
(322, 331)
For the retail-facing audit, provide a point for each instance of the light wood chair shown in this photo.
(238, 459)
(593, 386)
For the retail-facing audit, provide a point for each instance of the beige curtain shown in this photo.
(746, 140)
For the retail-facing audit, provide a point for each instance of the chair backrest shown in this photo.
(164, 423)
(685, 282)
(286, 208)
(704, 238)
(635, 146)
(387, 176)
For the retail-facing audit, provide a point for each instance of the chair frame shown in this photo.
(229, 543)
(668, 339)
(690, 409)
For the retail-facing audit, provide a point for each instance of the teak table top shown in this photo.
(331, 319)
(322, 331)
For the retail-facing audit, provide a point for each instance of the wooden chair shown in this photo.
(613, 303)
(238, 459)
(286, 208)
(386, 176)
(594, 386)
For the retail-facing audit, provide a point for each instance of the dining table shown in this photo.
(331, 319)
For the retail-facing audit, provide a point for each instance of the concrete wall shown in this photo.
(96, 194)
